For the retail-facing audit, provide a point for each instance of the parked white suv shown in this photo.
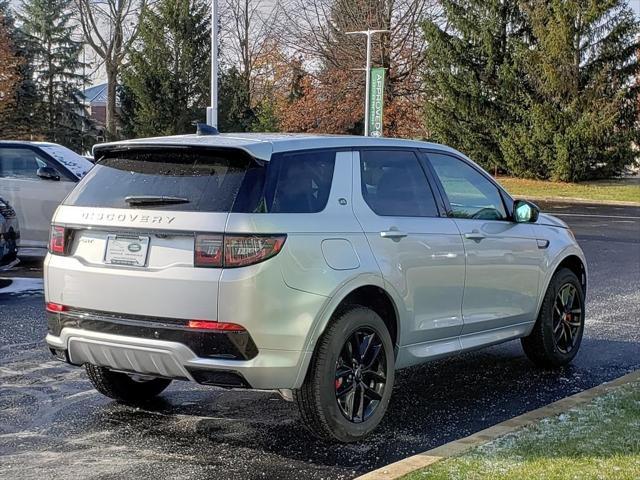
(314, 265)
(34, 178)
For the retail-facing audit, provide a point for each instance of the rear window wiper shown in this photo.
(154, 200)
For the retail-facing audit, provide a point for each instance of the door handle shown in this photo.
(393, 234)
(475, 235)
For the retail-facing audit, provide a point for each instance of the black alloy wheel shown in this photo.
(557, 334)
(349, 382)
(361, 375)
(567, 318)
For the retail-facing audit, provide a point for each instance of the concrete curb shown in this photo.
(614, 203)
(457, 447)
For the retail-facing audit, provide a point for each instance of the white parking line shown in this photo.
(589, 215)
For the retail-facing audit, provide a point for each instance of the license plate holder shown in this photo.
(126, 250)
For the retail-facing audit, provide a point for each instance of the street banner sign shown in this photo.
(376, 102)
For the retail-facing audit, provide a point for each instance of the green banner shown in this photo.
(376, 102)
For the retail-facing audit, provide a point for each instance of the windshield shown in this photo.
(77, 164)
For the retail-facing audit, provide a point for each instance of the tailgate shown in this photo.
(157, 278)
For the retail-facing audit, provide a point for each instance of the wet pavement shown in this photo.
(53, 425)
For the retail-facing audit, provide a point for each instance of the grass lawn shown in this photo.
(600, 440)
(627, 190)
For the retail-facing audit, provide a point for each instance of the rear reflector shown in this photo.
(208, 251)
(235, 250)
(55, 307)
(210, 325)
(57, 240)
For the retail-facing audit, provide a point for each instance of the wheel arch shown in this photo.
(377, 299)
(576, 265)
(367, 291)
(571, 258)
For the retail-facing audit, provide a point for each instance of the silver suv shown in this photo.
(312, 265)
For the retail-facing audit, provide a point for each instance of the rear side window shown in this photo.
(295, 182)
(209, 180)
(394, 184)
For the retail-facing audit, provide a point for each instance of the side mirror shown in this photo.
(48, 173)
(525, 212)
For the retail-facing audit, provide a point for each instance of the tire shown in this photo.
(329, 396)
(123, 387)
(547, 344)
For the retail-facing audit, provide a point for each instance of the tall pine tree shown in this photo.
(57, 69)
(577, 109)
(235, 114)
(16, 122)
(167, 80)
(9, 64)
(469, 75)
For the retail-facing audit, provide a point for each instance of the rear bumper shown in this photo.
(227, 345)
(269, 369)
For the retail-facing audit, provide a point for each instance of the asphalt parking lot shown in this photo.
(53, 425)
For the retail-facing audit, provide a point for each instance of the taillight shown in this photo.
(211, 325)
(235, 250)
(208, 251)
(58, 240)
(243, 250)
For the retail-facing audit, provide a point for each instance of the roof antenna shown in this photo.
(204, 129)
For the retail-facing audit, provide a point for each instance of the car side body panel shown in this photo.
(34, 199)
(561, 246)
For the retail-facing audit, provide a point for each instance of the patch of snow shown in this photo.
(78, 165)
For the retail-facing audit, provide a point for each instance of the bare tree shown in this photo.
(318, 28)
(248, 32)
(110, 27)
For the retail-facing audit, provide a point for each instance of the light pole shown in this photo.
(367, 89)
(212, 111)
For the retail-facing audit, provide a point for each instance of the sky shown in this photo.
(97, 76)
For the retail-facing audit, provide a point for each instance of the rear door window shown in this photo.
(394, 184)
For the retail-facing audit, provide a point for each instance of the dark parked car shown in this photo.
(9, 233)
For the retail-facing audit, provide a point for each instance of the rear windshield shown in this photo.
(208, 181)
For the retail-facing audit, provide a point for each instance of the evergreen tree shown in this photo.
(167, 80)
(234, 113)
(469, 75)
(16, 122)
(57, 69)
(266, 119)
(128, 107)
(577, 109)
(9, 64)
